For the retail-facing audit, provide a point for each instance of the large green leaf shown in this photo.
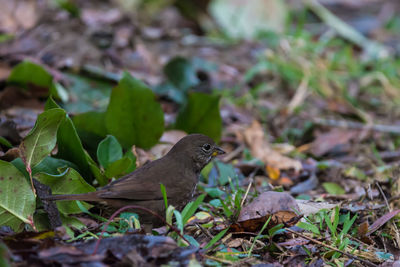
(133, 115)
(68, 182)
(91, 128)
(17, 202)
(48, 165)
(201, 115)
(108, 151)
(26, 73)
(42, 138)
(69, 145)
(92, 93)
(181, 73)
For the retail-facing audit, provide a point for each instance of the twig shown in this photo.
(204, 231)
(138, 208)
(233, 154)
(388, 206)
(383, 195)
(368, 263)
(245, 195)
(300, 95)
(357, 125)
(372, 49)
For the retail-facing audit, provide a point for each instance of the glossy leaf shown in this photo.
(17, 202)
(201, 115)
(108, 151)
(68, 182)
(26, 73)
(181, 73)
(118, 168)
(133, 115)
(42, 138)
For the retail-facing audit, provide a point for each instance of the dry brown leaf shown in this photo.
(260, 148)
(331, 140)
(281, 207)
(18, 15)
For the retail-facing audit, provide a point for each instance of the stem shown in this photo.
(138, 208)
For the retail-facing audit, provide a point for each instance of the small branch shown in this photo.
(368, 263)
(138, 208)
(393, 129)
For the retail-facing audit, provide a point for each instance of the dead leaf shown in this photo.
(11, 154)
(18, 15)
(382, 220)
(281, 206)
(255, 138)
(307, 207)
(273, 172)
(332, 140)
(172, 136)
(96, 17)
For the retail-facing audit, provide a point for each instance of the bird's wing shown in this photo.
(143, 184)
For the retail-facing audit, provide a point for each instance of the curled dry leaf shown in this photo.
(281, 206)
(334, 140)
(255, 138)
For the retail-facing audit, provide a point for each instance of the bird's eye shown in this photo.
(206, 147)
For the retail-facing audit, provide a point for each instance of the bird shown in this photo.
(178, 171)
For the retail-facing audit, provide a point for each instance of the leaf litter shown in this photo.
(274, 129)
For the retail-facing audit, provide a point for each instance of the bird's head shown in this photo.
(198, 148)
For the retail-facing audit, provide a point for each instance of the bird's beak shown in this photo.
(218, 151)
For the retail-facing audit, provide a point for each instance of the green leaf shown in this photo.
(70, 147)
(69, 144)
(118, 168)
(92, 93)
(129, 154)
(100, 177)
(5, 142)
(191, 208)
(225, 171)
(108, 151)
(41, 140)
(309, 227)
(26, 73)
(69, 6)
(59, 92)
(181, 73)
(4, 254)
(333, 188)
(214, 192)
(164, 194)
(91, 128)
(17, 202)
(178, 219)
(216, 238)
(201, 115)
(50, 104)
(133, 115)
(48, 165)
(68, 182)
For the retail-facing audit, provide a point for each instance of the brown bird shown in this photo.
(178, 171)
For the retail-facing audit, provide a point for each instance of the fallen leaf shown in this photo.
(332, 141)
(309, 207)
(382, 220)
(281, 206)
(255, 138)
(18, 15)
(273, 172)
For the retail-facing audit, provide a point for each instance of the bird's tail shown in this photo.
(92, 196)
